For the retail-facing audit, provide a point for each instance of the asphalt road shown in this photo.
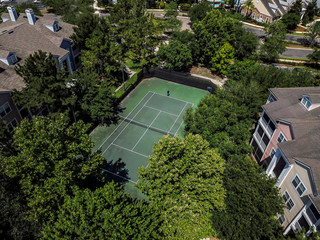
(290, 52)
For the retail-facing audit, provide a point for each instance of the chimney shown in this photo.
(31, 17)
(13, 13)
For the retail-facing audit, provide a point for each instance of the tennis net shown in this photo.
(146, 126)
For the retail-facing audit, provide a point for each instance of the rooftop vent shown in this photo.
(31, 17)
(12, 13)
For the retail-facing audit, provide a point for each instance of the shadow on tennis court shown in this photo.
(115, 170)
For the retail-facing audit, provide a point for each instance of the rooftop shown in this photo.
(25, 39)
(304, 148)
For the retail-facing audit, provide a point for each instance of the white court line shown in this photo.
(129, 150)
(118, 176)
(123, 121)
(161, 111)
(146, 130)
(180, 125)
(127, 125)
(178, 116)
(171, 97)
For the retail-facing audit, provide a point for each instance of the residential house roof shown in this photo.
(305, 146)
(25, 39)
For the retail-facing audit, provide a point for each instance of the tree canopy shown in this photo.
(106, 213)
(176, 55)
(52, 158)
(183, 179)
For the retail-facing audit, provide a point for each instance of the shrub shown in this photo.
(185, 6)
(160, 5)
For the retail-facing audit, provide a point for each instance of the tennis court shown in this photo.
(132, 140)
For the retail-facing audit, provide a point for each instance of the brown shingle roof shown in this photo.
(25, 39)
(305, 147)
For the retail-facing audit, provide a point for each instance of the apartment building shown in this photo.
(22, 35)
(286, 142)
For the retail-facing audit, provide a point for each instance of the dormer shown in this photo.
(53, 27)
(311, 101)
(8, 58)
(306, 102)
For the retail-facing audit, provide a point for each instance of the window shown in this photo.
(272, 153)
(253, 15)
(298, 185)
(269, 123)
(267, 20)
(12, 59)
(12, 125)
(305, 101)
(282, 219)
(271, 98)
(287, 199)
(279, 167)
(281, 138)
(4, 110)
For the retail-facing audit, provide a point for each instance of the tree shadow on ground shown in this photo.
(116, 171)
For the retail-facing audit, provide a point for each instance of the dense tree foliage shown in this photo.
(251, 197)
(183, 179)
(311, 11)
(291, 21)
(106, 213)
(274, 42)
(222, 59)
(21, 7)
(52, 158)
(176, 55)
(135, 30)
(214, 24)
(83, 95)
(245, 44)
(199, 11)
(296, 8)
(313, 33)
(45, 83)
(70, 9)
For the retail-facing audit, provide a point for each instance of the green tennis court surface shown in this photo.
(148, 115)
(132, 141)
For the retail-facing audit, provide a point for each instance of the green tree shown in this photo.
(199, 11)
(69, 9)
(245, 44)
(52, 159)
(21, 7)
(176, 55)
(252, 197)
(291, 20)
(13, 222)
(222, 59)
(45, 84)
(6, 143)
(212, 33)
(86, 23)
(315, 55)
(183, 179)
(106, 213)
(188, 39)
(135, 31)
(296, 8)
(313, 33)
(93, 101)
(274, 42)
(249, 6)
(222, 123)
(171, 16)
(102, 56)
(310, 13)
